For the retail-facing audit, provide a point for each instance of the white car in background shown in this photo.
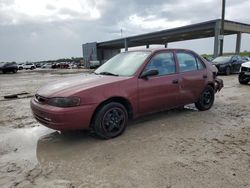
(20, 66)
(47, 65)
(30, 66)
(244, 74)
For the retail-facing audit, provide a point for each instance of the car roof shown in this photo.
(159, 49)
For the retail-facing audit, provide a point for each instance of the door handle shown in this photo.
(204, 76)
(175, 81)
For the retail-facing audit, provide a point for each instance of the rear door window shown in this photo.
(188, 62)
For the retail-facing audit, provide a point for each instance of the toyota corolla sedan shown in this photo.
(129, 85)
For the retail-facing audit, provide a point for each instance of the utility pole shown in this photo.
(121, 33)
(222, 26)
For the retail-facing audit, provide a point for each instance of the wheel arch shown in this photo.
(125, 102)
(211, 84)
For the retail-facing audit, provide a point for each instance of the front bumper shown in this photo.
(245, 73)
(218, 84)
(221, 69)
(73, 118)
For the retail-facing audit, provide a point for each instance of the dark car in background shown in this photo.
(129, 85)
(8, 67)
(228, 64)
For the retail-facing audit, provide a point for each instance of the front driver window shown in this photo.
(163, 62)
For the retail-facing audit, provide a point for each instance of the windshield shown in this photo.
(123, 64)
(222, 59)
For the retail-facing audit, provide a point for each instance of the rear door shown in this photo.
(161, 91)
(193, 76)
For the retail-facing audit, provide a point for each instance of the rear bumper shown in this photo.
(74, 118)
(218, 84)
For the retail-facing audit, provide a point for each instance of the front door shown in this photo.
(161, 91)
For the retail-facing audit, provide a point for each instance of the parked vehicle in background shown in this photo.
(38, 65)
(94, 64)
(20, 66)
(8, 67)
(129, 85)
(47, 65)
(55, 65)
(246, 58)
(244, 75)
(64, 65)
(30, 66)
(228, 64)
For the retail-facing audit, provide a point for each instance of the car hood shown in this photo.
(219, 63)
(70, 86)
(246, 64)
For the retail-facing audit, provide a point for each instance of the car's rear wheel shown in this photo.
(243, 79)
(110, 120)
(228, 70)
(14, 70)
(206, 99)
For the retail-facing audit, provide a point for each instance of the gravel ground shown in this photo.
(177, 148)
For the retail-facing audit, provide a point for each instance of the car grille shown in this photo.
(245, 69)
(41, 99)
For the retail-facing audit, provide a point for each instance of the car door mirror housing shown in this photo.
(150, 72)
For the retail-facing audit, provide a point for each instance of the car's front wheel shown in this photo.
(110, 120)
(243, 79)
(206, 99)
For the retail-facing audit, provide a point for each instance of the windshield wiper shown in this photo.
(108, 73)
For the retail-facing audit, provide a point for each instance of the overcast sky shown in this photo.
(33, 30)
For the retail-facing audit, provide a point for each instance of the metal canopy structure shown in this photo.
(195, 31)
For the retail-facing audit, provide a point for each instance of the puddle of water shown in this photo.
(21, 143)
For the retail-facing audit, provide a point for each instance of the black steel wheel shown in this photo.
(206, 99)
(110, 120)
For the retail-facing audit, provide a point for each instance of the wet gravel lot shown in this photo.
(177, 148)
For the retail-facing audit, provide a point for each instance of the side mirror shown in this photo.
(150, 72)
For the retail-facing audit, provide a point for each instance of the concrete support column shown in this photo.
(166, 45)
(238, 43)
(147, 46)
(216, 39)
(126, 44)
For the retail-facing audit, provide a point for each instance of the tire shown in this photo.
(14, 71)
(242, 79)
(206, 99)
(228, 70)
(110, 120)
(32, 68)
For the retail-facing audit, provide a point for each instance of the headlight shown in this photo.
(64, 101)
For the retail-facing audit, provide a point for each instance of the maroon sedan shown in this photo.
(129, 85)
